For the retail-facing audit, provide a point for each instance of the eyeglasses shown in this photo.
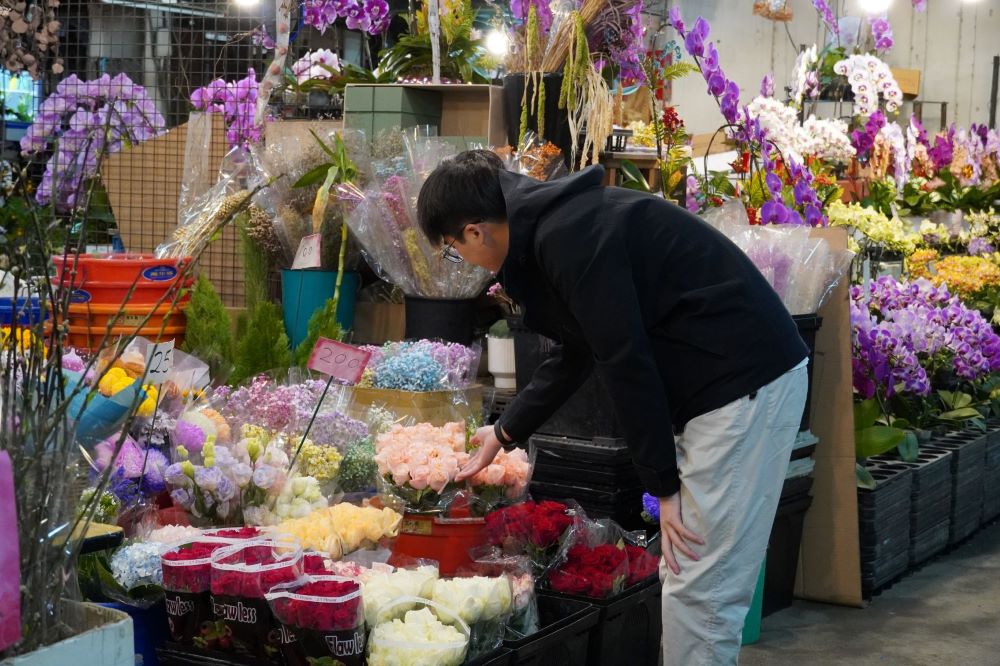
(451, 254)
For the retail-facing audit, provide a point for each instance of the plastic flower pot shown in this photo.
(500, 353)
(303, 292)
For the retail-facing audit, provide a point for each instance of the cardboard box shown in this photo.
(378, 323)
(434, 407)
(104, 636)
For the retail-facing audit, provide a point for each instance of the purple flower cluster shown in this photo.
(905, 328)
(619, 36)
(519, 9)
(882, 33)
(864, 139)
(238, 101)
(980, 246)
(725, 91)
(829, 18)
(78, 124)
(651, 507)
(767, 85)
(371, 16)
(943, 150)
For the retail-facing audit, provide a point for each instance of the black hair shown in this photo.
(461, 190)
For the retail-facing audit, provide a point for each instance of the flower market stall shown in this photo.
(277, 483)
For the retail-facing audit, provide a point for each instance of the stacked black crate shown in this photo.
(884, 525)
(930, 502)
(968, 464)
(991, 475)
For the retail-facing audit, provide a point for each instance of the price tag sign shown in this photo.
(159, 362)
(340, 361)
(308, 255)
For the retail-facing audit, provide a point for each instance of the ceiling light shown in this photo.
(497, 43)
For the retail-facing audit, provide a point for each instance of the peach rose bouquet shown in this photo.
(504, 481)
(419, 463)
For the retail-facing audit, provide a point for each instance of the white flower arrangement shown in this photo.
(474, 599)
(800, 74)
(823, 138)
(311, 65)
(870, 78)
(419, 638)
(827, 139)
(893, 135)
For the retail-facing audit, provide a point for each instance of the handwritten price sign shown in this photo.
(308, 255)
(159, 362)
(338, 360)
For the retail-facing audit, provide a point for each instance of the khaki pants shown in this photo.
(732, 463)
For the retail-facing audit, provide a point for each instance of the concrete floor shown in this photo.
(946, 613)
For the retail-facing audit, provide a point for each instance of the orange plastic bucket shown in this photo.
(445, 540)
(142, 269)
(101, 315)
(89, 338)
(118, 293)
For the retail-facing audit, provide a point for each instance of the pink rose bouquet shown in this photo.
(503, 481)
(419, 463)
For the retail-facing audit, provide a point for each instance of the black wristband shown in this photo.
(506, 442)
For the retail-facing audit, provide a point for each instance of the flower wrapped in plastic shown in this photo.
(323, 618)
(187, 583)
(504, 481)
(383, 219)
(484, 603)
(489, 561)
(540, 531)
(423, 365)
(417, 635)
(384, 585)
(541, 160)
(241, 575)
(418, 464)
(342, 529)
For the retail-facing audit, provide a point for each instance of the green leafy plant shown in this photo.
(323, 323)
(872, 436)
(263, 344)
(500, 329)
(208, 335)
(958, 408)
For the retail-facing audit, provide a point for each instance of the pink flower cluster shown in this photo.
(510, 470)
(422, 456)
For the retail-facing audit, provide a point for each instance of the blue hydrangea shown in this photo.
(411, 371)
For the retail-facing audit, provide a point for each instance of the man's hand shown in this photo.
(488, 445)
(674, 534)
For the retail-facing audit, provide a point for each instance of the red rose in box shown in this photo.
(241, 575)
(539, 530)
(641, 565)
(187, 579)
(597, 572)
(325, 618)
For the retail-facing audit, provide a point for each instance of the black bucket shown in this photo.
(556, 120)
(448, 319)
(808, 325)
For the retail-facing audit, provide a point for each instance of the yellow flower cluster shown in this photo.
(341, 529)
(963, 275)
(25, 339)
(643, 135)
(116, 380)
(892, 234)
(319, 461)
(983, 224)
(918, 264)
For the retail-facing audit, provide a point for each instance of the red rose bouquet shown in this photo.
(542, 531)
(235, 533)
(241, 575)
(641, 565)
(323, 618)
(187, 578)
(597, 572)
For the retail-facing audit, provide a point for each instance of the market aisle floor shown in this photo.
(947, 613)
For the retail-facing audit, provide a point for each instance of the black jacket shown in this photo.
(674, 316)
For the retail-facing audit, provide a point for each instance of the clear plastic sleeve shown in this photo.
(489, 561)
(541, 160)
(484, 603)
(418, 464)
(344, 528)
(542, 532)
(503, 482)
(419, 631)
(324, 620)
(384, 585)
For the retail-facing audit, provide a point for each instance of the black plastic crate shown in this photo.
(173, 654)
(630, 626)
(808, 326)
(929, 543)
(599, 462)
(500, 657)
(564, 639)
(625, 507)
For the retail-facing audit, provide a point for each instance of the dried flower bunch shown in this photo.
(29, 34)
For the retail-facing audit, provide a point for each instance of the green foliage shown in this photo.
(870, 437)
(336, 82)
(957, 407)
(358, 470)
(208, 334)
(323, 323)
(881, 196)
(632, 177)
(678, 70)
(863, 477)
(264, 345)
(500, 329)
